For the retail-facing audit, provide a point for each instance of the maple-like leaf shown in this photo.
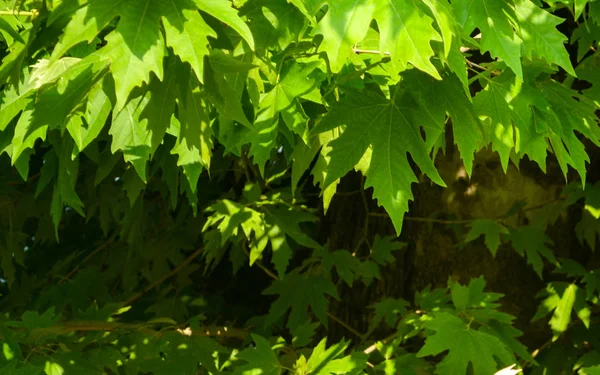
(194, 135)
(261, 359)
(136, 47)
(537, 29)
(298, 292)
(562, 300)
(491, 229)
(531, 241)
(450, 100)
(14, 99)
(465, 345)
(345, 24)
(274, 23)
(57, 102)
(382, 249)
(494, 19)
(389, 310)
(84, 129)
(564, 112)
(492, 103)
(346, 265)
(130, 134)
(472, 295)
(406, 33)
(224, 12)
(327, 361)
(391, 129)
(187, 33)
(282, 99)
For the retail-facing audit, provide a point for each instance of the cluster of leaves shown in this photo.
(156, 156)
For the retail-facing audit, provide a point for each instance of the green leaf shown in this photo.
(194, 134)
(303, 334)
(492, 231)
(345, 24)
(274, 23)
(569, 113)
(187, 33)
(493, 103)
(223, 95)
(386, 126)
(406, 33)
(450, 99)
(298, 292)
(53, 368)
(388, 310)
(407, 364)
(222, 10)
(130, 134)
(592, 200)
(537, 29)
(560, 298)
(26, 133)
(261, 359)
(332, 360)
(465, 345)
(84, 129)
(346, 265)
(136, 47)
(14, 100)
(495, 21)
(382, 249)
(472, 295)
(289, 220)
(531, 241)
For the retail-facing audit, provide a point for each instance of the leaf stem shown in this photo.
(32, 13)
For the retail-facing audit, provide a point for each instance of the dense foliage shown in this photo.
(215, 186)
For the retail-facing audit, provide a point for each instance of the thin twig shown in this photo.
(86, 326)
(476, 65)
(174, 271)
(467, 221)
(372, 347)
(90, 256)
(425, 219)
(369, 51)
(345, 325)
(272, 275)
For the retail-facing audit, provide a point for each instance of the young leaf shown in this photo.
(331, 361)
(560, 299)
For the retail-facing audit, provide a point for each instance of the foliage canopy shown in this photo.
(169, 172)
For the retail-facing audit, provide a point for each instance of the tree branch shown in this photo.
(173, 272)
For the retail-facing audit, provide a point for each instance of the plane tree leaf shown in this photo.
(388, 127)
